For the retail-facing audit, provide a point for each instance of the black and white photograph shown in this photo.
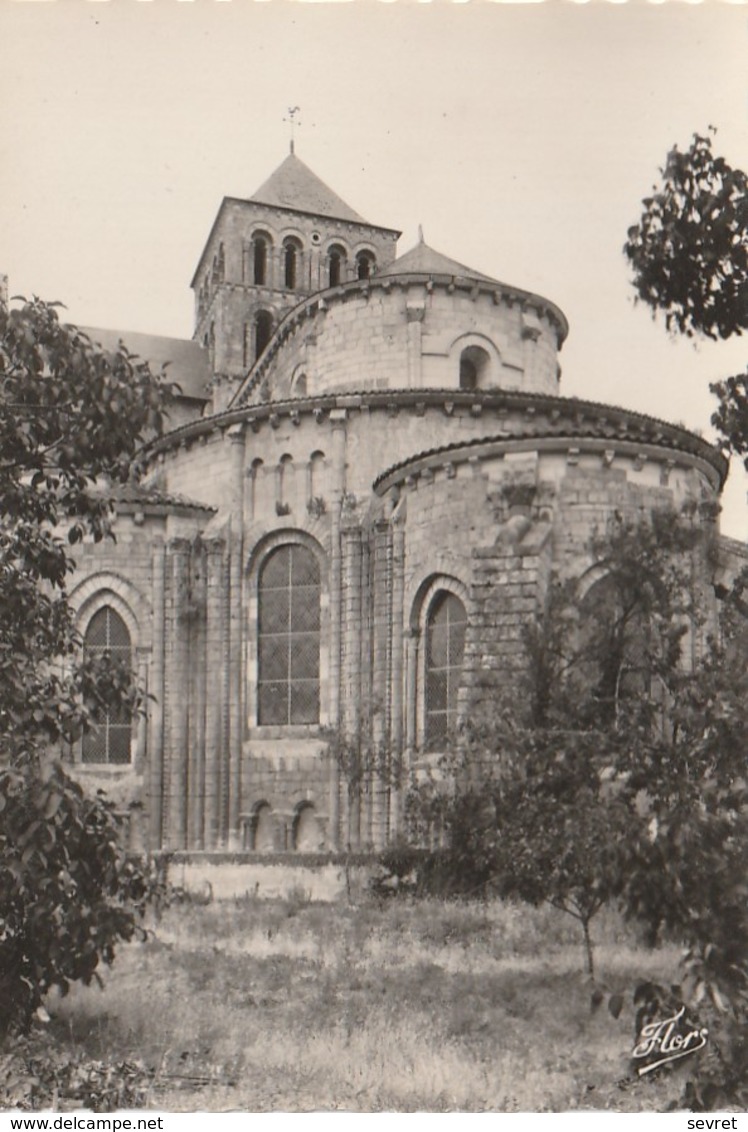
(373, 558)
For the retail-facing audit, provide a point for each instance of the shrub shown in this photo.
(68, 891)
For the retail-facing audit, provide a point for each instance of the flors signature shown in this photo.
(667, 1040)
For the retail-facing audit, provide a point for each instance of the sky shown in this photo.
(522, 137)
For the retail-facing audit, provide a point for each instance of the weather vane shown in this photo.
(292, 112)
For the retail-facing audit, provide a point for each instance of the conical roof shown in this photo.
(424, 260)
(294, 185)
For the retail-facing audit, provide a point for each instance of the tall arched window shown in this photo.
(288, 617)
(291, 256)
(615, 646)
(109, 740)
(445, 644)
(263, 331)
(364, 265)
(259, 259)
(285, 479)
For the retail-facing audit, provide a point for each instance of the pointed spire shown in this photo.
(420, 235)
(294, 185)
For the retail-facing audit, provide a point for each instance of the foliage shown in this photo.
(38, 1075)
(690, 249)
(685, 866)
(531, 800)
(689, 253)
(71, 416)
(398, 870)
(618, 773)
(362, 756)
(68, 891)
(690, 257)
(731, 418)
(588, 657)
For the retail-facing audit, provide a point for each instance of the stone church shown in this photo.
(370, 473)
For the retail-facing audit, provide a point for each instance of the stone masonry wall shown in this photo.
(234, 299)
(408, 336)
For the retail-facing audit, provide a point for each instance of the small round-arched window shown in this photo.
(445, 646)
(365, 264)
(300, 386)
(109, 740)
(262, 829)
(305, 834)
(474, 364)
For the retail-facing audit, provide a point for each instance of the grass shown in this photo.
(296, 1006)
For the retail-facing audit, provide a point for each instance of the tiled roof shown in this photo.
(294, 185)
(138, 493)
(189, 367)
(423, 260)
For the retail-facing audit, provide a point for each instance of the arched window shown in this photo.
(615, 647)
(335, 264)
(474, 364)
(445, 644)
(109, 740)
(260, 246)
(285, 480)
(365, 264)
(288, 617)
(255, 473)
(263, 331)
(291, 256)
(300, 386)
(305, 832)
(247, 345)
(316, 475)
(262, 829)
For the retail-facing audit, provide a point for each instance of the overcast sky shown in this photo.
(521, 137)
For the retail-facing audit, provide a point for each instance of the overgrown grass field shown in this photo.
(292, 1005)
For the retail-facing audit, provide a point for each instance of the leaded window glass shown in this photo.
(109, 741)
(289, 637)
(445, 645)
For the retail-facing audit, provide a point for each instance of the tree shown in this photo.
(689, 253)
(731, 418)
(531, 799)
(690, 257)
(690, 249)
(71, 417)
(616, 771)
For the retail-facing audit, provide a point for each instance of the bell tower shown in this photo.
(294, 236)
